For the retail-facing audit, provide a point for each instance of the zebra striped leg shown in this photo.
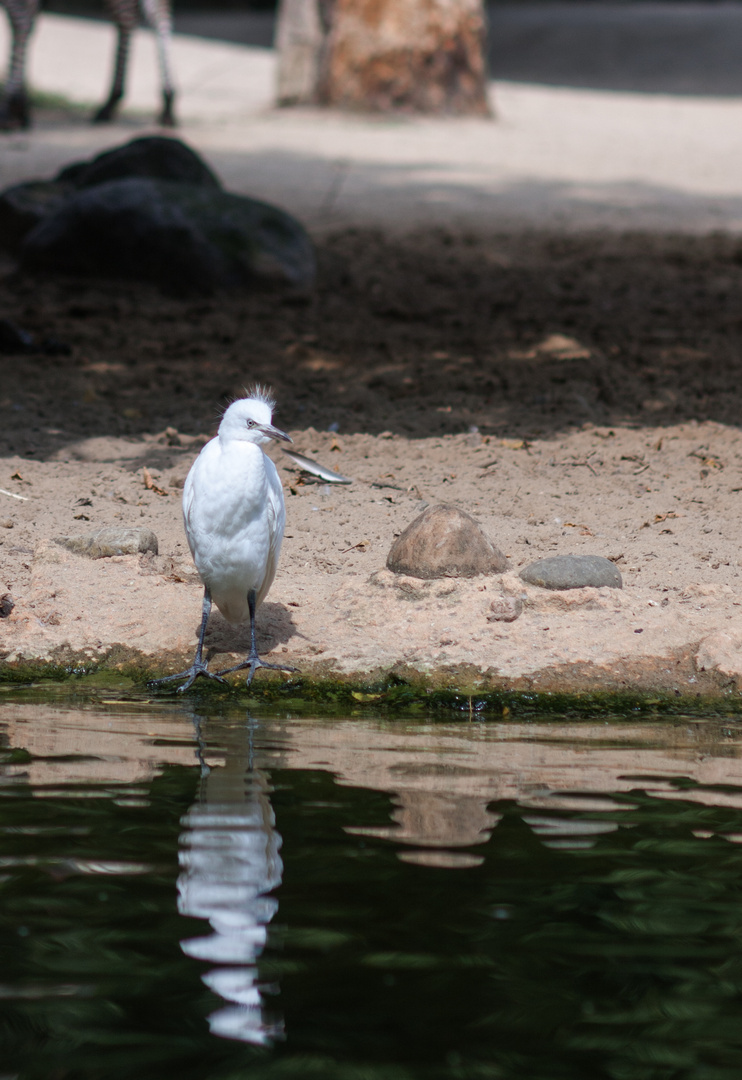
(14, 110)
(124, 15)
(158, 16)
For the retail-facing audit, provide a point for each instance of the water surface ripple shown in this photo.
(229, 896)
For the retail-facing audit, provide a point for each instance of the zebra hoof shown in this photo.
(107, 112)
(167, 116)
(14, 114)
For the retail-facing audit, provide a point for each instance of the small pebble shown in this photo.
(7, 603)
(104, 543)
(505, 609)
(573, 572)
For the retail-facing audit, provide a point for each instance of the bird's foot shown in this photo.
(197, 668)
(253, 663)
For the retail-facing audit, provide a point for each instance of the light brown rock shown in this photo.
(722, 652)
(445, 542)
(117, 540)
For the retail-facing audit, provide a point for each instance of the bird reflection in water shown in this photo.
(230, 863)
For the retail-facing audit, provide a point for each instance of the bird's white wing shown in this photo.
(200, 466)
(188, 507)
(276, 524)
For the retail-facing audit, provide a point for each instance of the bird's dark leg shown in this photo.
(198, 667)
(253, 661)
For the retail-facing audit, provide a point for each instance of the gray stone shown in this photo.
(505, 609)
(185, 238)
(573, 572)
(116, 540)
(444, 542)
(152, 156)
(7, 603)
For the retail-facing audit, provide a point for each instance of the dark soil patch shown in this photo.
(424, 335)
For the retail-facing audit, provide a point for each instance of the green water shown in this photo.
(224, 896)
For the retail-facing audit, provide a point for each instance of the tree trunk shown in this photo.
(415, 56)
(300, 42)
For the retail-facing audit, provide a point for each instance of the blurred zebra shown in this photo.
(14, 106)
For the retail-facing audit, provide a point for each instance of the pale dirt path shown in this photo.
(556, 157)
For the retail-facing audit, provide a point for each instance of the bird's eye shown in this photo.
(250, 423)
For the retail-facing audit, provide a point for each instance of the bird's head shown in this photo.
(249, 420)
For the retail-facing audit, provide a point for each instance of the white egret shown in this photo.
(234, 517)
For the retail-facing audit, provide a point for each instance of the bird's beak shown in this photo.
(274, 433)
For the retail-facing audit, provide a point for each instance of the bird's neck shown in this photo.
(239, 446)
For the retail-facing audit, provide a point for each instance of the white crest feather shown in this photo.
(261, 393)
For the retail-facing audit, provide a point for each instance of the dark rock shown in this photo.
(505, 609)
(116, 540)
(183, 237)
(573, 572)
(7, 603)
(444, 542)
(23, 206)
(153, 156)
(13, 340)
(51, 346)
(153, 210)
